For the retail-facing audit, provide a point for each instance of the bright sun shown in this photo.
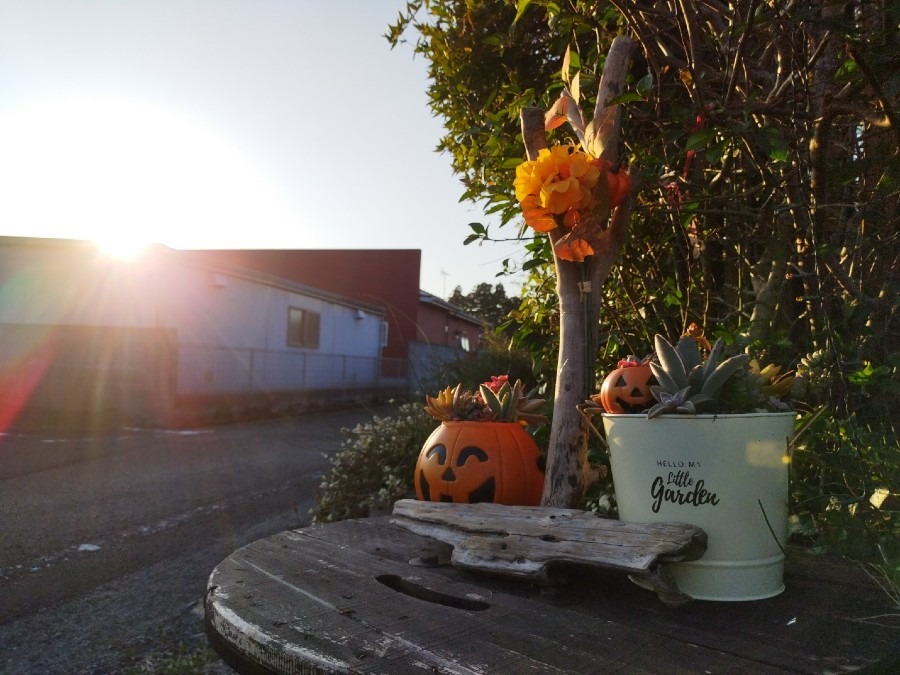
(125, 171)
(121, 249)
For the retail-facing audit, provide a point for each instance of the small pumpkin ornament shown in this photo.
(467, 462)
(627, 388)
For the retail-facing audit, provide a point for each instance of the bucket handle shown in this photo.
(587, 410)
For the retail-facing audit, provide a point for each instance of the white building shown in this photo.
(166, 337)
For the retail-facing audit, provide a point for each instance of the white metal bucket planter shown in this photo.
(725, 473)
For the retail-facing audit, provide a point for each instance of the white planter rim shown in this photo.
(703, 416)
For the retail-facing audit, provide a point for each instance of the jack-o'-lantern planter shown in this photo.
(482, 452)
(627, 388)
(468, 462)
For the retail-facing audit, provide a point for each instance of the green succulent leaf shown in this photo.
(697, 399)
(493, 400)
(720, 376)
(695, 378)
(666, 382)
(689, 352)
(712, 360)
(671, 363)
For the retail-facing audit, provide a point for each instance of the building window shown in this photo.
(303, 328)
(461, 340)
(384, 333)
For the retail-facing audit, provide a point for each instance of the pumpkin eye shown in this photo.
(440, 451)
(470, 451)
(621, 382)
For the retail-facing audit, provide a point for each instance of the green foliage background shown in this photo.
(765, 139)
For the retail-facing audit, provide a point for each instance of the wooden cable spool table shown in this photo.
(371, 596)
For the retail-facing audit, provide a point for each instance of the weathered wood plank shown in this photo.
(529, 542)
(343, 598)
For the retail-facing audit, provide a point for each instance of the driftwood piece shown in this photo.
(578, 288)
(527, 542)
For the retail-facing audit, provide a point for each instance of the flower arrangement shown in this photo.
(494, 401)
(570, 188)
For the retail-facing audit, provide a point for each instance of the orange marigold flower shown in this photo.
(528, 182)
(559, 180)
(560, 196)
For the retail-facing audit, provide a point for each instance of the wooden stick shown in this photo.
(567, 470)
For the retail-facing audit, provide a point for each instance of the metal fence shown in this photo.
(204, 369)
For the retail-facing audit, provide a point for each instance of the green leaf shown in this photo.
(728, 368)
(628, 97)
(779, 155)
(671, 363)
(491, 399)
(521, 6)
(773, 143)
(472, 237)
(689, 352)
(672, 300)
(867, 374)
(712, 361)
(645, 85)
(716, 151)
(666, 382)
(700, 139)
(510, 163)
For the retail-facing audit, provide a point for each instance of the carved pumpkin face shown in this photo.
(469, 462)
(626, 389)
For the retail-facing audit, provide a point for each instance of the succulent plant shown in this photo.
(757, 389)
(454, 404)
(510, 404)
(685, 381)
(495, 401)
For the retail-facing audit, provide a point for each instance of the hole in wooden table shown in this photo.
(414, 590)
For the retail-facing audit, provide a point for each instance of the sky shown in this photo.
(229, 124)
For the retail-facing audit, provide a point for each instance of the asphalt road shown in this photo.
(106, 541)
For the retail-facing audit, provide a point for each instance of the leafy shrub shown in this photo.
(494, 357)
(846, 480)
(375, 466)
(774, 230)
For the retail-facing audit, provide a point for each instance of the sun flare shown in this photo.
(121, 248)
(123, 172)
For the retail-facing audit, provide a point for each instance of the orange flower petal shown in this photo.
(536, 217)
(574, 249)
